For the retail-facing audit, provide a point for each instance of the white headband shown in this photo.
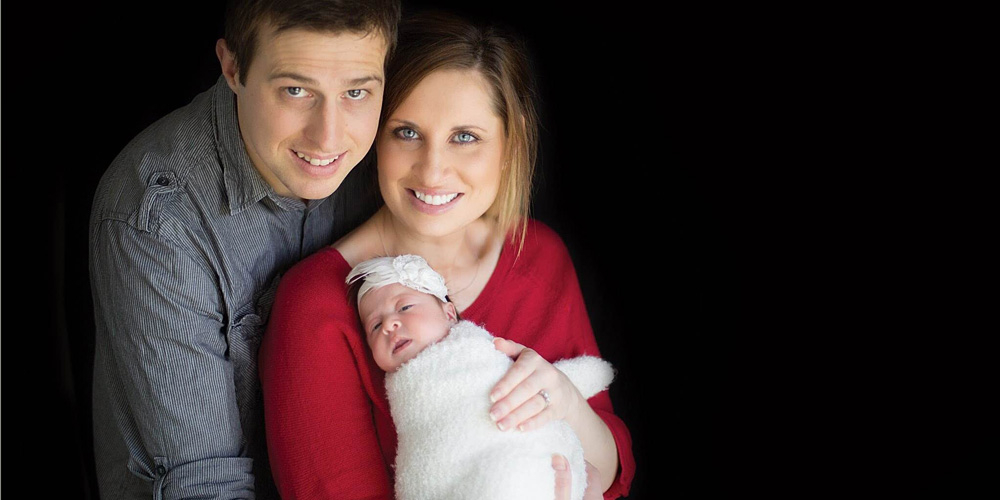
(411, 271)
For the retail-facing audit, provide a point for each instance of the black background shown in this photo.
(641, 173)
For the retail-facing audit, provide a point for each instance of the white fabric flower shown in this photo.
(411, 271)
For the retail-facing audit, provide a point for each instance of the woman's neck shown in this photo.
(465, 258)
(445, 253)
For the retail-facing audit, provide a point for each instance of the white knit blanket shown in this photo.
(449, 448)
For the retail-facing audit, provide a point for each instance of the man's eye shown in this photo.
(295, 91)
(356, 94)
(465, 137)
(407, 134)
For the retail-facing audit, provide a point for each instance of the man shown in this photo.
(193, 224)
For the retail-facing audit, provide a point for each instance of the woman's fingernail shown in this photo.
(500, 425)
(493, 397)
(494, 415)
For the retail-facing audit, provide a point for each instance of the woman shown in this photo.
(456, 152)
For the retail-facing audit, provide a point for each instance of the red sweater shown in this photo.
(329, 430)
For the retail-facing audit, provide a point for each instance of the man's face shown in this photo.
(308, 107)
(400, 322)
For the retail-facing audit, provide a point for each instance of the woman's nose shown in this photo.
(432, 168)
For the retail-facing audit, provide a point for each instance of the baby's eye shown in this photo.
(401, 309)
(356, 94)
(295, 91)
(376, 326)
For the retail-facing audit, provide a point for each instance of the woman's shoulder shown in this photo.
(322, 273)
(542, 245)
(543, 258)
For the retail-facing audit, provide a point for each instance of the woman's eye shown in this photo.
(465, 137)
(356, 94)
(407, 134)
(295, 91)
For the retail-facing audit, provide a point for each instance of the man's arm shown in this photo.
(162, 345)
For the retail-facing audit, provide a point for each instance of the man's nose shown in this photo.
(325, 127)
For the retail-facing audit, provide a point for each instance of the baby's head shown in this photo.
(403, 305)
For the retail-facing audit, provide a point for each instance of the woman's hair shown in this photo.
(432, 41)
(244, 19)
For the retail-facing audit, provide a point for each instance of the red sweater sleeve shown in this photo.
(321, 435)
(536, 300)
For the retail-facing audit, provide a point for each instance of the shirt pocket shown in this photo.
(245, 336)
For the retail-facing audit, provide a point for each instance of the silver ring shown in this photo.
(545, 395)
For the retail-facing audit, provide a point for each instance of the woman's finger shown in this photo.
(520, 398)
(508, 347)
(521, 369)
(593, 491)
(536, 420)
(564, 477)
(534, 407)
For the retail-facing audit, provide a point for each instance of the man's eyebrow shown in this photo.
(354, 82)
(357, 82)
(294, 76)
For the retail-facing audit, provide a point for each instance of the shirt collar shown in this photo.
(243, 183)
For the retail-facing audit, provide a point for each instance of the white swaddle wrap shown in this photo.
(449, 448)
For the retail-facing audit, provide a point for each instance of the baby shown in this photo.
(439, 371)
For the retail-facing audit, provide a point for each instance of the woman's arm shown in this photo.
(519, 405)
(549, 299)
(321, 435)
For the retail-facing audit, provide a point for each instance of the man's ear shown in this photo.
(450, 310)
(228, 61)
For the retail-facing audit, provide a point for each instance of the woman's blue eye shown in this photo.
(406, 133)
(356, 94)
(465, 137)
(295, 91)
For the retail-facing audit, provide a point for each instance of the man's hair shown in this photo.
(432, 41)
(245, 18)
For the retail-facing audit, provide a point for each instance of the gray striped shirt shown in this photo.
(187, 243)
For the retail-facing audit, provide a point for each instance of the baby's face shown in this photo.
(400, 322)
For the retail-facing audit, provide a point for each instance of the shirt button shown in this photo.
(161, 470)
(163, 181)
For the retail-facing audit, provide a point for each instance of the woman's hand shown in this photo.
(564, 480)
(517, 398)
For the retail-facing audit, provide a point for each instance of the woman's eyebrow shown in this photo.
(467, 127)
(405, 123)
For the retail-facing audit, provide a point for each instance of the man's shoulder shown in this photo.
(161, 160)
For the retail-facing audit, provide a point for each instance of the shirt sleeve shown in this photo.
(163, 345)
(321, 435)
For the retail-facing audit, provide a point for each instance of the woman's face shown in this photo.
(440, 153)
